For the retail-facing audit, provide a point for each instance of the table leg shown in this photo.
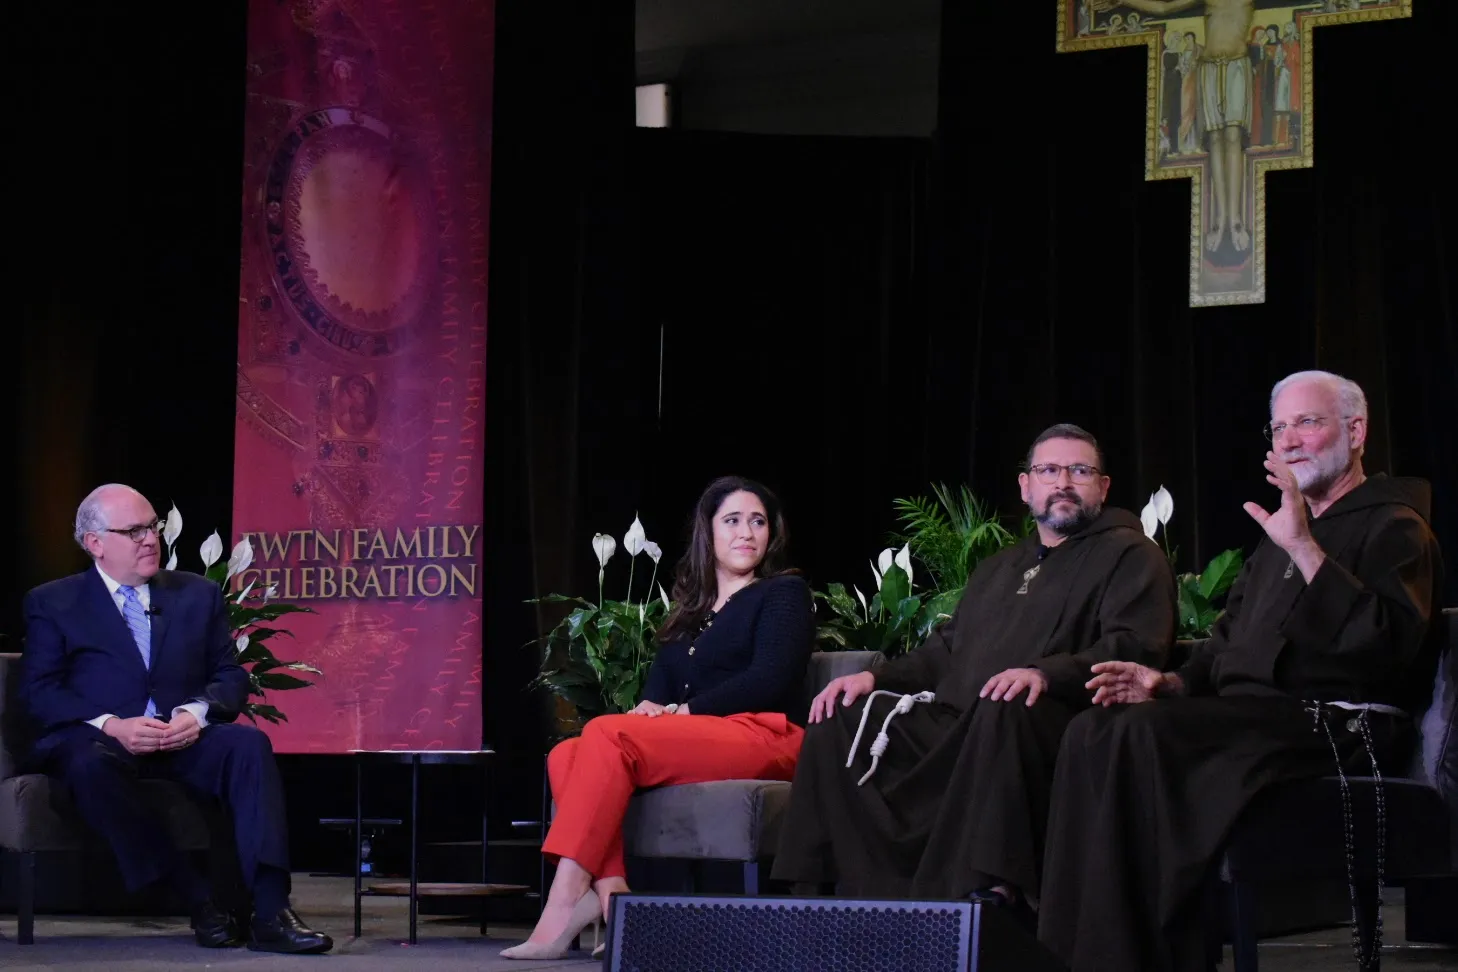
(358, 839)
(542, 838)
(485, 815)
(414, 843)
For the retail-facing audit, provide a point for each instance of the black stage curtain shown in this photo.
(568, 397)
(787, 279)
(126, 171)
(668, 307)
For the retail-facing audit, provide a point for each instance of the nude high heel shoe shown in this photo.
(587, 911)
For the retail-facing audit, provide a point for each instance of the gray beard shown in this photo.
(1320, 471)
(1067, 524)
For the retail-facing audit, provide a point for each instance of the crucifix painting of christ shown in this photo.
(1229, 99)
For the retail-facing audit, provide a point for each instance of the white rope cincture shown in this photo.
(1391, 710)
(878, 748)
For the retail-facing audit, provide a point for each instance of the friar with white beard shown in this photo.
(1326, 643)
(954, 803)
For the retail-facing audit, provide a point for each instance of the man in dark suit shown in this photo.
(129, 673)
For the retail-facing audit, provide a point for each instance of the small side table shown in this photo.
(415, 759)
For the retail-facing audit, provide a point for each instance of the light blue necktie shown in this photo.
(141, 633)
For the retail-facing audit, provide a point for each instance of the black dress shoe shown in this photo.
(284, 932)
(1017, 908)
(214, 928)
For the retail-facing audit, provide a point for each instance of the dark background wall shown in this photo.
(811, 67)
(848, 318)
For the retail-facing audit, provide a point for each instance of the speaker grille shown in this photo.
(712, 934)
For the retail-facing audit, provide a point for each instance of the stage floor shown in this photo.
(84, 944)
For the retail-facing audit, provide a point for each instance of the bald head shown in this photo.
(92, 516)
(105, 523)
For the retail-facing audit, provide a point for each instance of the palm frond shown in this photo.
(950, 532)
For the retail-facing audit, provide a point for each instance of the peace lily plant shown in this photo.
(247, 613)
(950, 534)
(894, 620)
(597, 657)
(1197, 592)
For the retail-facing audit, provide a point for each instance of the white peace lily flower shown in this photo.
(642, 613)
(664, 594)
(1149, 518)
(172, 561)
(887, 558)
(211, 550)
(903, 560)
(1163, 504)
(270, 592)
(173, 529)
(241, 556)
(244, 594)
(604, 546)
(876, 574)
(652, 549)
(864, 606)
(242, 643)
(635, 538)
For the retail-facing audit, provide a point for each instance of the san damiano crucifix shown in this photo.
(1229, 99)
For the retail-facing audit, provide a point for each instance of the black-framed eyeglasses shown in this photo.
(137, 534)
(1080, 472)
(1306, 426)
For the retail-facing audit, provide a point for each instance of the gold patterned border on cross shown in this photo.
(1227, 237)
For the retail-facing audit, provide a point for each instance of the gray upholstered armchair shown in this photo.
(36, 817)
(727, 820)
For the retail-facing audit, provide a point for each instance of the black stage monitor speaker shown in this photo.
(730, 933)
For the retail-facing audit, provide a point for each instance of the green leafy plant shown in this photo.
(894, 621)
(951, 534)
(597, 657)
(1197, 593)
(251, 614)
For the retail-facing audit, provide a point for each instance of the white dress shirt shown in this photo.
(197, 707)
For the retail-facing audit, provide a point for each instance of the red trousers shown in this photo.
(593, 776)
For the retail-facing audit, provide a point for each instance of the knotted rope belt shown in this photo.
(878, 748)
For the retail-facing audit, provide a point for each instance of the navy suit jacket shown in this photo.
(80, 660)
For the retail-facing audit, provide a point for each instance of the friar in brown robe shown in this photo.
(1333, 607)
(957, 802)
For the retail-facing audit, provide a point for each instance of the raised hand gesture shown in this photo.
(1288, 525)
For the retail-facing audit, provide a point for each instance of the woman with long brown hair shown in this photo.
(721, 703)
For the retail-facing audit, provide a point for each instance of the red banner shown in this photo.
(362, 360)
